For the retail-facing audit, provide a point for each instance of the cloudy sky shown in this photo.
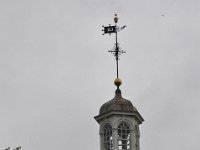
(56, 71)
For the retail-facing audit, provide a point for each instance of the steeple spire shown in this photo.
(118, 119)
(116, 50)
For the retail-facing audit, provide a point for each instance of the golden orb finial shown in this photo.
(118, 82)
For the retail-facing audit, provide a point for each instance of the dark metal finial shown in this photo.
(116, 50)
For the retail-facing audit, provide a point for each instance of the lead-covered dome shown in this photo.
(117, 104)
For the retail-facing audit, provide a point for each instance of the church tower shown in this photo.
(119, 120)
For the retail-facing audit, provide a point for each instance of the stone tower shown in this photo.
(119, 120)
(119, 124)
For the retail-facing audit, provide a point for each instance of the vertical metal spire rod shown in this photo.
(117, 57)
(116, 45)
(116, 50)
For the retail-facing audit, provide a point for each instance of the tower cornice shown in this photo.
(135, 114)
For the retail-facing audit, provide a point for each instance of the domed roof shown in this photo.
(117, 104)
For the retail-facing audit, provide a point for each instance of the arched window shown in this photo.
(123, 136)
(108, 140)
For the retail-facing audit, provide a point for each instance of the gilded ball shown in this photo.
(118, 82)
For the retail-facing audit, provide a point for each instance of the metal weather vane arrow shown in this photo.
(116, 50)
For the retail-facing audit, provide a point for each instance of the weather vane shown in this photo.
(116, 50)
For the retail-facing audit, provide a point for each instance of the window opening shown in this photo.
(123, 136)
(108, 140)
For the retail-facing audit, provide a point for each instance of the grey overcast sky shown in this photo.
(56, 71)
